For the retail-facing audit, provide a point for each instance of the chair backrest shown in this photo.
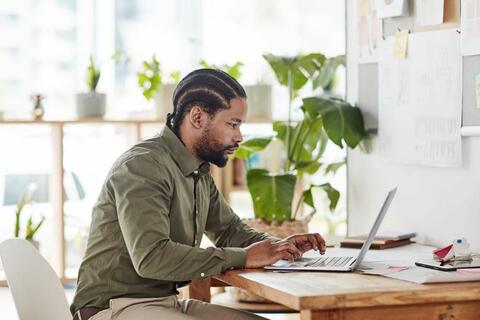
(35, 287)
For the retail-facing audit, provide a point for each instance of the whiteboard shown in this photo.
(420, 100)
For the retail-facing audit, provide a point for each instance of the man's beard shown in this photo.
(210, 150)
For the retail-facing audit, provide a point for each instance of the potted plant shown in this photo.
(31, 228)
(91, 103)
(259, 94)
(278, 197)
(150, 80)
(324, 118)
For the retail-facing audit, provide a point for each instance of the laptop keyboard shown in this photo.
(329, 262)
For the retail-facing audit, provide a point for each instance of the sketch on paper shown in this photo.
(392, 8)
(420, 100)
(369, 30)
(429, 12)
(470, 24)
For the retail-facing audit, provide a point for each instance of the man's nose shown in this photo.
(238, 136)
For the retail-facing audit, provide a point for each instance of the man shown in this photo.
(156, 203)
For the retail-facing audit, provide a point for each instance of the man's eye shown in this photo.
(233, 125)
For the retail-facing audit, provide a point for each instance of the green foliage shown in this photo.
(233, 70)
(93, 71)
(342, 121)
(272, 194)
(300, 68)
(149, 78)
(93, 75)
(175, 76)
(251, 146)
(31, 228)
(324, 118)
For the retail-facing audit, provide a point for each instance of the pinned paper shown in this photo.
(392, 8)
(429, 12)
(400, 46)
(470, 23)
(477, 89)
(363, 8)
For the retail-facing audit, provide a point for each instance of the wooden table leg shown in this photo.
(446, 311)
(200, 290)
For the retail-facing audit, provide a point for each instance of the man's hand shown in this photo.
(307, 241)
(266, 252)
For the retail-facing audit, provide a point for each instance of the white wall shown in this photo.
(439, 204)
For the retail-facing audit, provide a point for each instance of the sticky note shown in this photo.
(400, 46)
(477, 90)
(363, 8)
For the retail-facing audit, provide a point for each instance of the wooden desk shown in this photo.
(348, 296)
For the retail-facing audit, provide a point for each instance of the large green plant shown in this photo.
(325, 118)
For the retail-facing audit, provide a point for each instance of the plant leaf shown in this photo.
(333, 167)
(272, 194)
(303, 68)
(251, 146)
(149, 79)
(341, 120)
(332, 193)
(326, 76)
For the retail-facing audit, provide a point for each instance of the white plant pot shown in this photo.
(164, 100)
(91, 104)
(259, 98)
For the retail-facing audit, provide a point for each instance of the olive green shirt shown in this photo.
(147, 224)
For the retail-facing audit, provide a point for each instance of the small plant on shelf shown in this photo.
(31, 228)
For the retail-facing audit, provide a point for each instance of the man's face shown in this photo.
(221, 134)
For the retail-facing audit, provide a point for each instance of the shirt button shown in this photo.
(202, 274)
(195, 172)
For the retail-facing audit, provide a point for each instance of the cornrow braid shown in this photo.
(210, 89)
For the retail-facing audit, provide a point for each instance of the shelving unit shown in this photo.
(56, 192)
(223, 177)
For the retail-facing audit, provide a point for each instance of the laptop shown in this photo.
(337, 263)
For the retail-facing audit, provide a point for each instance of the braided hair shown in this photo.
(210, 89)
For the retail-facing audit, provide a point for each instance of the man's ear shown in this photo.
(197, 117)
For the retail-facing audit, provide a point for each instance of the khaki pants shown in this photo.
(169, 308)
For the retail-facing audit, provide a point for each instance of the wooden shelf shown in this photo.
(81, 121)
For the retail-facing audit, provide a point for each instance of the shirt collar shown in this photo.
(181, 156)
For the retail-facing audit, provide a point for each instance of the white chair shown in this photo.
(35, 287)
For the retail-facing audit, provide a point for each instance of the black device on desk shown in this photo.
(449, 265)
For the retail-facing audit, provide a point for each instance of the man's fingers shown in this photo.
(288, 246)
(321, 242)
(287, 256)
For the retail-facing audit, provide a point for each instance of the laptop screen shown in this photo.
(376, 226)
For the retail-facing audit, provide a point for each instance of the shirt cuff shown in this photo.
(234, 258)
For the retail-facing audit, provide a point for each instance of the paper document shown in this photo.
(392, 8)
(401, 42)
(369, 30)
(425, 275)
(363, 8)
(429, 12)
(420, 100)
(470, 22)
(477, 90)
